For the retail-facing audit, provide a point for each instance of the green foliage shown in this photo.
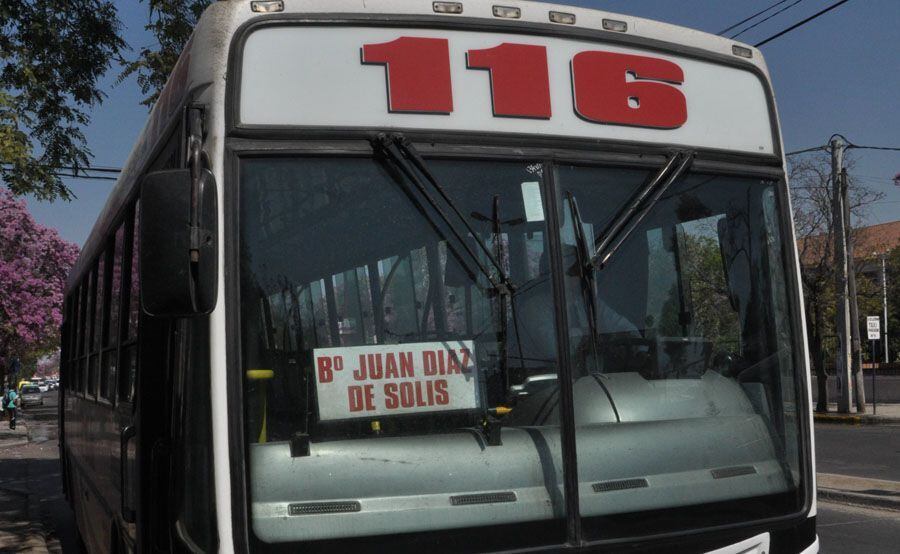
(52, 54)
(171, 22)
(713, 316)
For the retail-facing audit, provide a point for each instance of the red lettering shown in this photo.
(390, 396)
(441, 397)
(323, 365)
(361, 398)
(429, 362)
(418, 73)
(390, 367)
(406, 394)
(355, 398)
(452, 362)
(406, 364)
(520, 80)
(604, 94)
(369, 393)
(360, 373)
(420, 400)
(375, 368)
(465, 359)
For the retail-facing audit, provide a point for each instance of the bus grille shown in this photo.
(621, 485)
(308, 508)
(483, 498)
(725, 472)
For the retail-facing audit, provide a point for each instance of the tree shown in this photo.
(34, 265)
(171, 22)
(52, 54)
(811, 195)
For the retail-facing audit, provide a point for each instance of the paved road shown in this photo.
(846, 529)
(861, 451)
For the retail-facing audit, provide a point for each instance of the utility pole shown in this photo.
(842, 309)
(855, 343)
(884, 331)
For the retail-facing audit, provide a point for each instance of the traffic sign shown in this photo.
(873, 326)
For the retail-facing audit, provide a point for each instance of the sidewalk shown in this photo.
(21, 527)
(860, 491)
(886, 414)
(13, 437)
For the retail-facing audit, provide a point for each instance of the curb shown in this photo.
(850, 419)
(859, 499)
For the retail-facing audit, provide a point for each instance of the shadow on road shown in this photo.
(31, 488)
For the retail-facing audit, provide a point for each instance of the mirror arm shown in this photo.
(194, 157)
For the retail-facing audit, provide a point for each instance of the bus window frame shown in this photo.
(479, 147)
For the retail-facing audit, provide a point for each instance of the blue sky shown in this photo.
(837, 74)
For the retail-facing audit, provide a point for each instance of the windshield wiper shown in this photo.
(400, 151)
(585, 273)
(627, 220)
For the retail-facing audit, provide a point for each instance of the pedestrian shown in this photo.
(11, 401)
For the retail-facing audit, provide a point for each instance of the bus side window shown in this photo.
(131, 307)
(89, 292)
(75, 340)
(97, 331)
(196, 506)
(113, 287)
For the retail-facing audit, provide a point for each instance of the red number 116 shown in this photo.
(607, 87)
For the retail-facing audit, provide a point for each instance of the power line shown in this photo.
(888, 148)
(805, 150)
(758, 23)
(86, 177)
(741, 22)
(95, 168)
(801, 23)
(83, 173)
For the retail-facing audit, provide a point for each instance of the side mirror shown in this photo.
(178, 243)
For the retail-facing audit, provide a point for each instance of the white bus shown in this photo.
(444, 276)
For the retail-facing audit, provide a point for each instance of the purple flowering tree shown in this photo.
(34, 264)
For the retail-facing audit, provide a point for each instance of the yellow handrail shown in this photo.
(261, 375)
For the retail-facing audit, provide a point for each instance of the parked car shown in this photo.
(31, 395)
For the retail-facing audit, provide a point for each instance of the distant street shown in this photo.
(861, 451)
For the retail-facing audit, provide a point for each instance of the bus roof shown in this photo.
(201, 71)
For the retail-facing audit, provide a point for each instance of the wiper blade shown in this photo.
(400, 151)
(629, 218)
(585, 273)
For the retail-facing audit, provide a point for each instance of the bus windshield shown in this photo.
(391, 384)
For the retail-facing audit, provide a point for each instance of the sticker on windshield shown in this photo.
(531, 197)
(381, 380)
